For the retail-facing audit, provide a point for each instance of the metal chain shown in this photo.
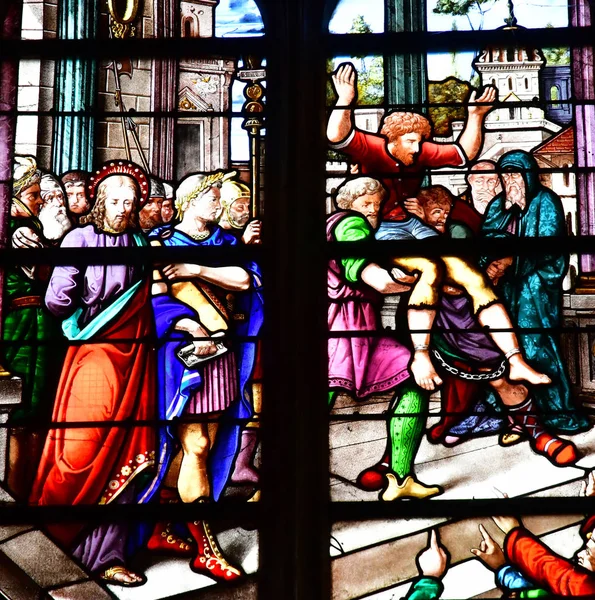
(470, 376)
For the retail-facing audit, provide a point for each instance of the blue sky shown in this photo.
(235, 18)
(533, 13)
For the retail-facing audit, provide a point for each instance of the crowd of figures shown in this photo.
(177, 344)
(483, 329)
(174, 344)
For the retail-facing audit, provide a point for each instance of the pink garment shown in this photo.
(219, 386)
(361, 365)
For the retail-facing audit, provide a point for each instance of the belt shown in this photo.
(26, 302)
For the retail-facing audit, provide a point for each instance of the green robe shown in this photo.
(531, 288)
(36, 364)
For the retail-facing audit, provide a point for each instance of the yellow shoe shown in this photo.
(510, 438)
(410, 488)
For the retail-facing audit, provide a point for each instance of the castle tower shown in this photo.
(198, 18)
(515, 71)
(511, 70)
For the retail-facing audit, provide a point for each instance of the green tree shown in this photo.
(447, 93)
(359, 25)
(556, 56)
(464, 8)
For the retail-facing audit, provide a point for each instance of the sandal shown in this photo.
(109, 576)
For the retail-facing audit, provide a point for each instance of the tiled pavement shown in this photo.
(379, 555)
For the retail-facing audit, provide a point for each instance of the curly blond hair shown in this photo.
(400, 123)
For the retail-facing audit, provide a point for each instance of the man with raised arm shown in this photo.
(398, 158)
(403, 150)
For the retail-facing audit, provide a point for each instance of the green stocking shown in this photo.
(405, 432)
(332, 395)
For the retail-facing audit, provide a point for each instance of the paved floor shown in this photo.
(379, 555)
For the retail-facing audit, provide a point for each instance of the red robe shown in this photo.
(101, 382)
(550, 571)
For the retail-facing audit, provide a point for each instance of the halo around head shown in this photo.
(119, 167)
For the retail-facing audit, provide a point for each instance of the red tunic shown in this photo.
(369, 151)
(550, 571)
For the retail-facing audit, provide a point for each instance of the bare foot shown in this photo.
(423, 371)
(521, 371)
(122, 576)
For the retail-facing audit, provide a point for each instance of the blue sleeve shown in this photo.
(508, 578)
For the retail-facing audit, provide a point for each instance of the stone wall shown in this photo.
(136, 94)
(36, 84)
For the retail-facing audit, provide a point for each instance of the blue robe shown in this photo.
(531, 288)
(177, 383)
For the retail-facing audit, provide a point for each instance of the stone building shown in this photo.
(523, 125)
(556, 85)
(196, 141)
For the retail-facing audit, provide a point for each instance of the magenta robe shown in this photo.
(360, 365)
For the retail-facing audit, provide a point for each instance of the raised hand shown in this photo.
(344, 82)
(505, 524)
(486, 101)
(252, 233)
(433, 561)
(489, 552)
(413, 206)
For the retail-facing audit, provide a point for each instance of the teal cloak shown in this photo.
(531, 289)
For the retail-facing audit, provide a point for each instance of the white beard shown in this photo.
(55, 222)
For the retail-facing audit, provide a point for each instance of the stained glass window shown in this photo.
(474, 142)
(130, 425)
(132, 306)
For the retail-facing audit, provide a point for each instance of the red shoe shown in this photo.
(559, 452)
(373, 479)
(209, 560)
(163, 540)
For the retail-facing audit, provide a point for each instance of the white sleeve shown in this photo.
(461, 154)
(345, 142)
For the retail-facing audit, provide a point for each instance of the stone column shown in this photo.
(164, 95)
(583, 82)
(10, 21)
(406, 73)
(76, 88)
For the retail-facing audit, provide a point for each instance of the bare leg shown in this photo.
(193, 480)
(511, 394)
(496, 317)
(421, 320)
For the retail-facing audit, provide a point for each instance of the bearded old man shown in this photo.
(111, 379)
(530, 285)
(53, 216)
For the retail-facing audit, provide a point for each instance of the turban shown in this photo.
(24, 174)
